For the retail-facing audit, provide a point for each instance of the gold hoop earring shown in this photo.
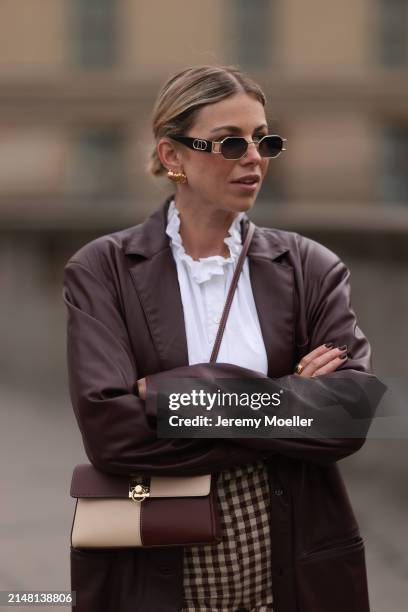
(177, 177)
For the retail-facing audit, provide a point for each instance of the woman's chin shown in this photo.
(243, 204)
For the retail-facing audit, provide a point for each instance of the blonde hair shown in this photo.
(182, 96)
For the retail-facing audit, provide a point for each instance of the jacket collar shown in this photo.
(150, 238)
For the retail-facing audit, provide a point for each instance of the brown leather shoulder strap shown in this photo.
(231, 292)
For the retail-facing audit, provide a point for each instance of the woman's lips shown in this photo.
(246, 187)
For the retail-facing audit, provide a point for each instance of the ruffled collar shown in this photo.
(205, 267)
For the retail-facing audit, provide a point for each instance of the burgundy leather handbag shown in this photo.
(146, 510)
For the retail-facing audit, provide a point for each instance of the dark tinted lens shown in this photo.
(234, 147)
(270, 146)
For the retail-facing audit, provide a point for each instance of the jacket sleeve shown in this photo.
(118, 435)
(351, 392)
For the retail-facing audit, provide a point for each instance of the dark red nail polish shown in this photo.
(343, 355)
(329, 345)
(343, 348)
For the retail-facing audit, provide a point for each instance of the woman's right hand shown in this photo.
(322, 360)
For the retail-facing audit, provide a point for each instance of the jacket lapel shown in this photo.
(154, 275)
(156, 282)
(273, 290)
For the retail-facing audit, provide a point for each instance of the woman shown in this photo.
(144, 303)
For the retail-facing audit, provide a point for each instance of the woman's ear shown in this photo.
(169, 154)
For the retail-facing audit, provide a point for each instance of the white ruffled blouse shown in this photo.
(204, 285)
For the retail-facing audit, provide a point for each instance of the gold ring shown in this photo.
(299, 368)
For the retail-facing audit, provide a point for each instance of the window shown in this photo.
(393, 32)
(95, 36)
(251, 32)
(394, 175)
(98, 166)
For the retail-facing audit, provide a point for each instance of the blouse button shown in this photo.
(217, 319)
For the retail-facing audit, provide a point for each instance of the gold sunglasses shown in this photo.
(235, 147)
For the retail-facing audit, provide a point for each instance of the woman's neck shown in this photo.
(203, 229)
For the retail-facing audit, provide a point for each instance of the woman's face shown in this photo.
(211, 177)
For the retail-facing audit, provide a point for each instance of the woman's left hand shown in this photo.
(322, 360)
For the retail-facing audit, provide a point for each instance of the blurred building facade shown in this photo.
(78, 79)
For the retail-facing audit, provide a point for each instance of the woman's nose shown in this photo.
(252, 153)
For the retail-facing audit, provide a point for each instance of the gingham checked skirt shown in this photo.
(234, 574)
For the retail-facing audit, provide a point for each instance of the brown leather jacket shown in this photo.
(125, 322)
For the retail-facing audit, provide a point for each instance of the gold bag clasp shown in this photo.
(139, 490)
